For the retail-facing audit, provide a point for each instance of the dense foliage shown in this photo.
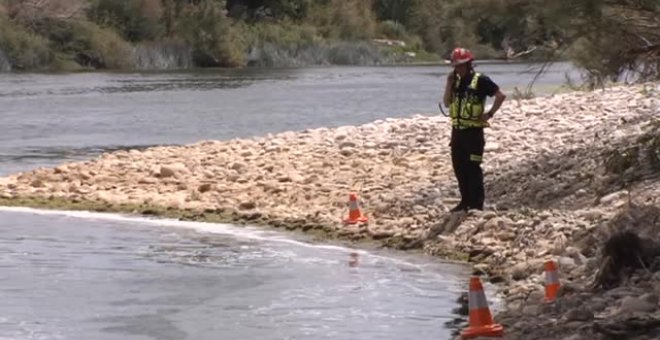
(608, 38)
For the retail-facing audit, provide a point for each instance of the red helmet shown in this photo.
(461, 56)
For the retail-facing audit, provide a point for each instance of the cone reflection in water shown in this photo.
(353, 260)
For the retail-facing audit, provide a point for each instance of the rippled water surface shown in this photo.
(82, 276)
(45, 119)
(86, 276)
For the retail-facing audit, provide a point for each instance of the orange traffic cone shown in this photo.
(480, 320)
(354, 214)
(551, 281)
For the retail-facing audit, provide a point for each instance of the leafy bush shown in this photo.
(344, 19)
(398, 11)
(137, 20)
(258, 10)
(282, 33)
(208, 30)
(392, 30)
(25, 50)
(89, 44)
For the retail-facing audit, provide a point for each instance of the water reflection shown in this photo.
(353, 260)
(103, 277)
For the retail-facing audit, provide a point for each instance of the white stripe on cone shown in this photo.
(477, 300)
(551, 277)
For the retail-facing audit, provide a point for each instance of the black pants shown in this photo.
(467, 149)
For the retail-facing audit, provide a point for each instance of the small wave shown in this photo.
(248, 232)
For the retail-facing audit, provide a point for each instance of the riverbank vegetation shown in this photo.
(605, 38)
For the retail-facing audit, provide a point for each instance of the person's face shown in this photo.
(462, 69)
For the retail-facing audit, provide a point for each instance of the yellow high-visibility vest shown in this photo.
(467, 112)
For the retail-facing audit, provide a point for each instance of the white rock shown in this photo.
(574, 337)
(37, 183)
(536, 295)
(347, 144)
(340, 137)
(559, 244)
(519, 271)
(566, 264)
(613, 198)
(593, 215)
(650, 298)
(148, 180)
(630, 304)
(63, 169)
(531, 310)
(239, 167)
(347, 152)
(496, 223)
(492, 147)
(173, 170)
(578, 314)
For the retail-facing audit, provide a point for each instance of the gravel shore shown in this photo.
(561, 173)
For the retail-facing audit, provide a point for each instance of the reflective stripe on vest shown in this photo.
(467, 112)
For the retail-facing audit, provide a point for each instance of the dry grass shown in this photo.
(28, 11)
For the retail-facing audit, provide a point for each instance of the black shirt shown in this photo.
(485, 86)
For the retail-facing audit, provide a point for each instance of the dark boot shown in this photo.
(460, 207)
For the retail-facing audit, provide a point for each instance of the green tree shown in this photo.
(24, 49)
(399, 11)
(208, 29)
(137, 20)
(274, 9)
(344, 19)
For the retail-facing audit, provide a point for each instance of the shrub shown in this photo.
(344, 19)
(89, 44)
(283, 33)
(23, 49)
(208, 30)
(136, 20)
(392, 30)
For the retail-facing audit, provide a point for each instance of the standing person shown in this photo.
(465, 95)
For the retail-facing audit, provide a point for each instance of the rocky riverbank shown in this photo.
(559, 172)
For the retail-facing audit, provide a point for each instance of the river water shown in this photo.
(95, 276)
